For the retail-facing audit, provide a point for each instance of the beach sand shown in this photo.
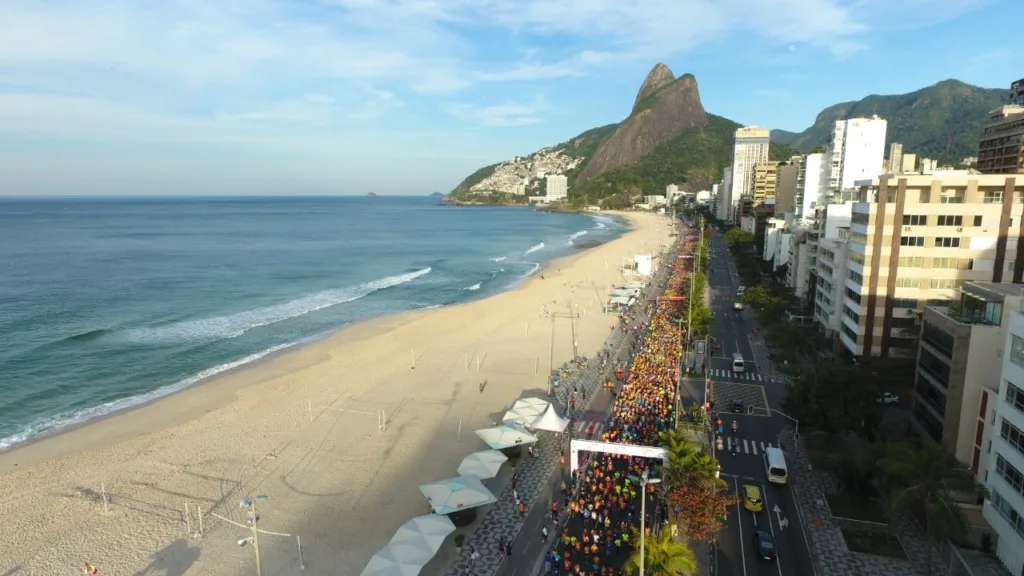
(336, 481)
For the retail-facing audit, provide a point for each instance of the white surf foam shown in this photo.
(534, 249)
(60, 421)
(498, 259)
(602, 222)
(234, 325)
(576, 235)
(473, 287)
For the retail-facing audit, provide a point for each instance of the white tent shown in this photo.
(523, 419)
(398, 560)
(483, 464)
(429, 531)
(506, 436)
(455, 494)
(550, 421)
(530, 406)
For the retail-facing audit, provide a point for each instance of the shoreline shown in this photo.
(233, 425)
(271, 353)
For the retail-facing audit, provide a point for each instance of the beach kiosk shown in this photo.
(509, 438)
(457, 498)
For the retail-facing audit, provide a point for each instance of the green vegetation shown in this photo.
(923, 120)
(503, 198)
(476, 178)
(663, 556)
(876, 543)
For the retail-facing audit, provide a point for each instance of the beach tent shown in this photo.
(455, 494)
(427, 531)
(550, 421)
(523, 419)
(483, 464)
(506, 436)
(529, 406)
(398, 560)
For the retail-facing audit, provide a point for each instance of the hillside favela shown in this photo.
(653, 328)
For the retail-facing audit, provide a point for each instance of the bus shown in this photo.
(775, 466)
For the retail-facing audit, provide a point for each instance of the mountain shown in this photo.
(664, 107)
(923, 121)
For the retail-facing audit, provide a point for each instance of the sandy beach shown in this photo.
(335, 480)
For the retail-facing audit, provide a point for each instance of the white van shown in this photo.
(775, 466)
(737, 363)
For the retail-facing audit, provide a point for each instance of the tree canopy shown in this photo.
(833, 399)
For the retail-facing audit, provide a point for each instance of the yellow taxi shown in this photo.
(752, 498)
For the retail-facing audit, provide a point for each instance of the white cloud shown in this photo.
(500, 115)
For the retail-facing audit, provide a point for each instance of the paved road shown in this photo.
(762, 391)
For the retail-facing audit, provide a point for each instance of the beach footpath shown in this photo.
(330, 441)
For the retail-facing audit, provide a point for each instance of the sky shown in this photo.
(410, 96)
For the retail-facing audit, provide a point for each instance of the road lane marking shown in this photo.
(739, 517)
(764, 499)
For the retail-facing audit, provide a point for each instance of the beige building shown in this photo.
(1001, 147)
(895, 161)
(785, 187)
(764, 182)
(914, 239)
(909, 162)
(959, 362)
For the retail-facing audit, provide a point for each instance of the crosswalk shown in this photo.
(582, 428)
(751, 376)
(745, 446)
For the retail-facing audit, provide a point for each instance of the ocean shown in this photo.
(109, 303)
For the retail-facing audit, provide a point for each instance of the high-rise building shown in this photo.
(1001, 146)
(785, 187)
(557, 187)
(809, 175)
(914, 239)
(856, 151)
(895, 157)
(909, 163)
(749, 148)
(723, 202)
(1017, 93)
(764, 182)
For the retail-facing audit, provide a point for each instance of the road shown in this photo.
(759, 427)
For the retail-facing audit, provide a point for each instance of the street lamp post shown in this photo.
(249, 504)
(644, 481)
(796, 423)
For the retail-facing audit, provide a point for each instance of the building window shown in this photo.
(857, 257)
(1009, 473)
(859, 218)
(915, 220)
(858, 278)
(851, 314)
(992, 197)
(1017, 350)
(977, 220)
(858, 238)
(1013, 436)
(908, 282)
(928, 422)
(904, 303)
(945, 283)
(951, 220)
(1008, 513)
(903, 323)
(911, 262)
(853, 295)
(937, 338)
(911, 240)
(848, 331)
(937, 369)
(953, 263)
(947, 242)
(1014, 396)
(952, 197)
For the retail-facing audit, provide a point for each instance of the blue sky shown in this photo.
(409, 96)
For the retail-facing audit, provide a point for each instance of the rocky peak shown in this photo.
(659, 77)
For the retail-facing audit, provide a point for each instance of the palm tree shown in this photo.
(930, 477)
(678, 445)
(663, 556)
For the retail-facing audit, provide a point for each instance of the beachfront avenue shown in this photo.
(757, 428)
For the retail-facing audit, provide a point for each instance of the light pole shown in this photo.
(796, 423)
(644, 481)
(249, 504)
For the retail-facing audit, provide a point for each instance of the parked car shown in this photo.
(888, 398)
(764, 544)
(737, 306)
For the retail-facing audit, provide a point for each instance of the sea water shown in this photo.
(108, 303)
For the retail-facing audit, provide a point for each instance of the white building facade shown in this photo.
(557, 187)
(809, 177)
(723, 201)
(749, 148)
(1004, 508)
(856, 151)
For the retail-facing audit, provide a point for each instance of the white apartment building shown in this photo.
(802, 259)
(830, 276)
(809, 178)
(749, 148)
(856, 151)
(557, 187)
(723, 206)
(1004, 508)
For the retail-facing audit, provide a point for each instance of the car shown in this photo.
(752, 498)
(888, 398)
(764, 545)
(737, 406)
(737, 306)
(741, 290)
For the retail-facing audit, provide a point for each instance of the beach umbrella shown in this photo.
(507, 435)
(483, 464)
(455, 494)
(530, 406)
(429, 530)
(398, 560)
